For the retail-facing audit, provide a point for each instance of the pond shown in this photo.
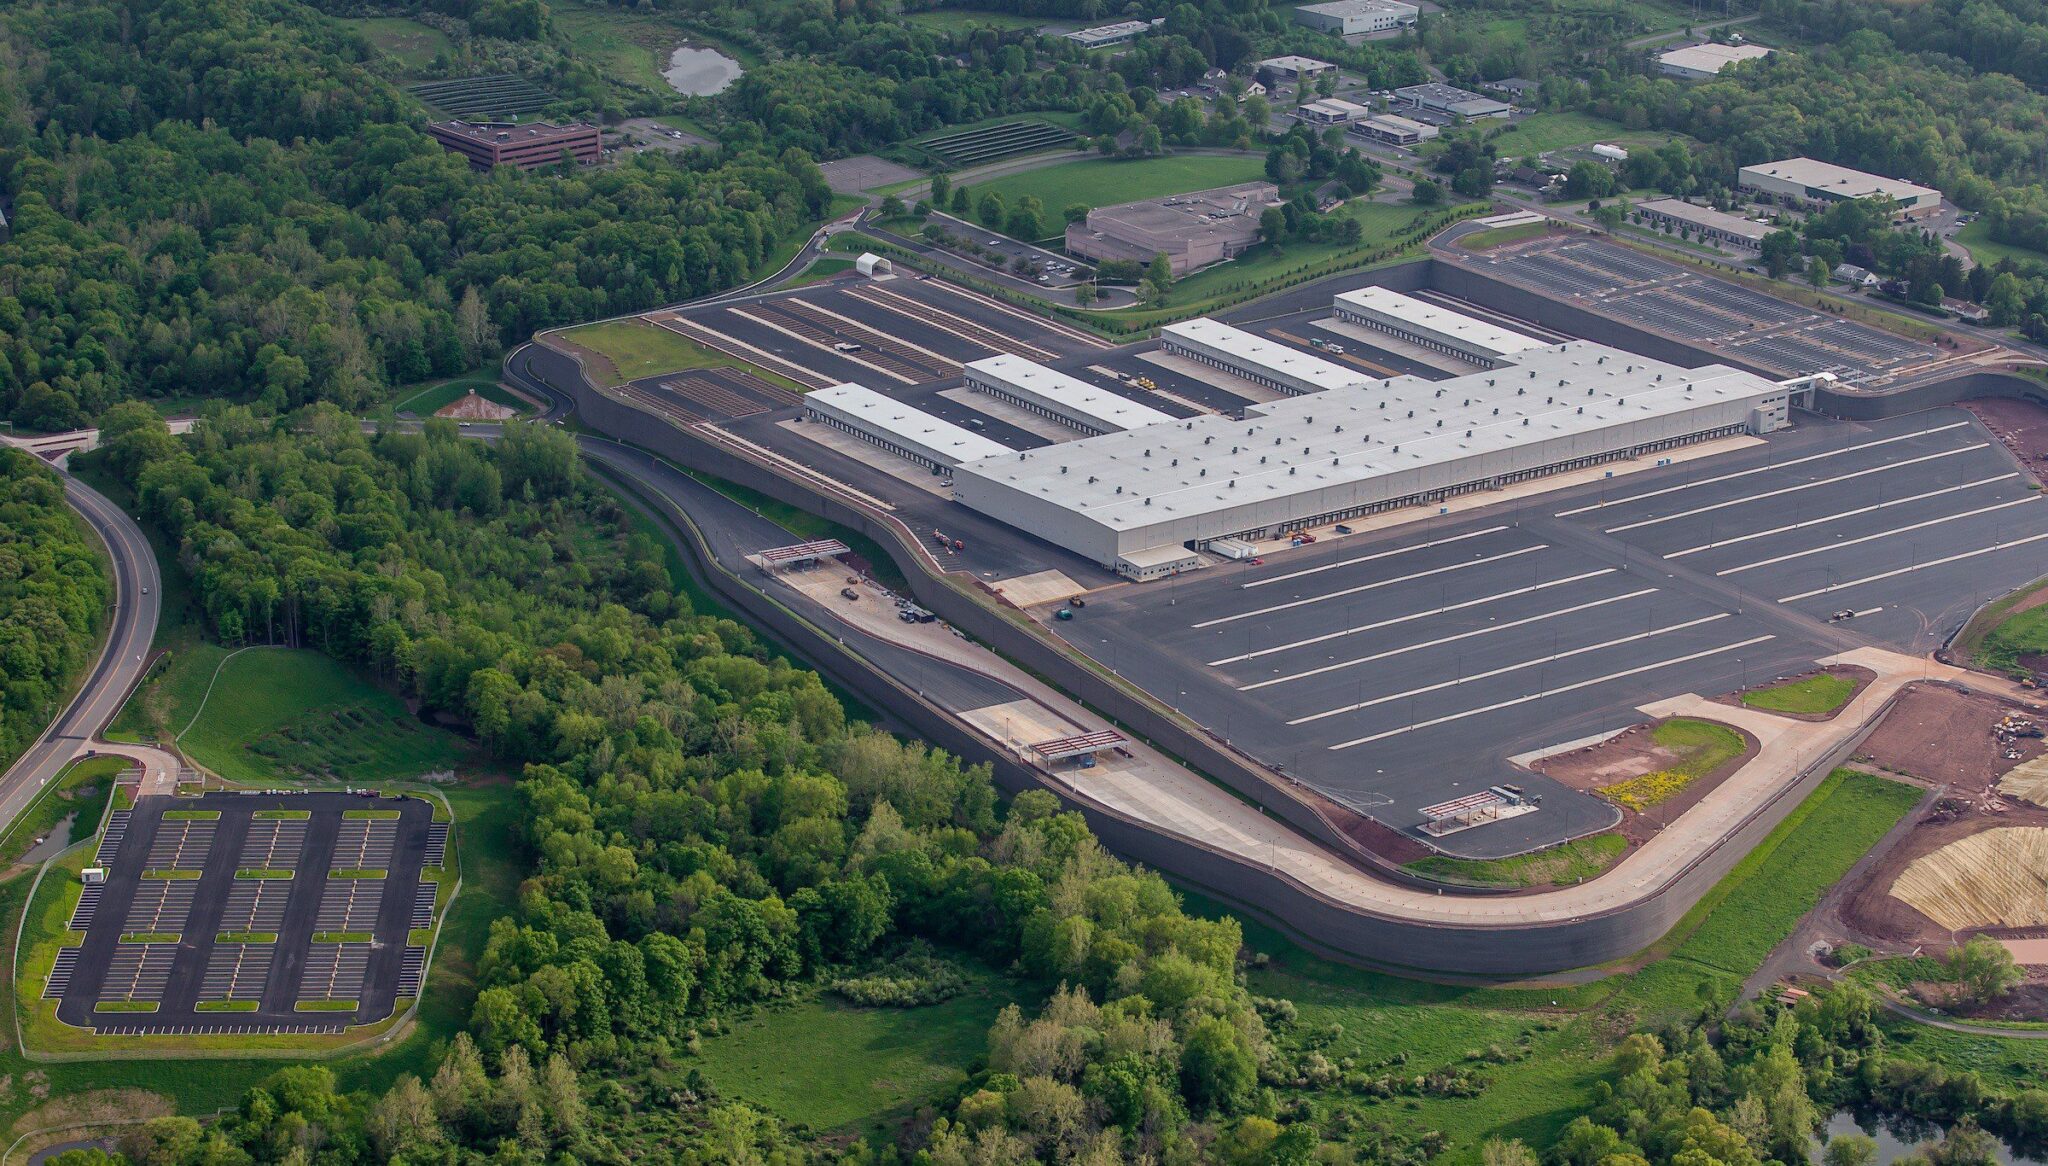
(700, 72)
(1897, 1137)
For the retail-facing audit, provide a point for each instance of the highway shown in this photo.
(138, 592)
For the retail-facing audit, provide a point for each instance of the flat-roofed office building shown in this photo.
(1808, 182)
(1356, 17)
(1191, 230)
(532, 146)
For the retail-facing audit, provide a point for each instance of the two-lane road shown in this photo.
(137, 594)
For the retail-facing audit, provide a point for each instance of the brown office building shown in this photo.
(1191, 230)
(529, 147)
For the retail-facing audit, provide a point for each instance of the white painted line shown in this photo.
(1498, 705)
(1825, 547)
(821, 346)
(1441, 640)
(1743, 538)
(1507, 668)
(1758, 470)
(2018, 542)
(1412, 616)
(1747, 499)
(1357, 559)
(1373, 586)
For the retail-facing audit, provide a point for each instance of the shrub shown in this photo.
(914, 979)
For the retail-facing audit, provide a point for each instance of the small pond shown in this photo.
(700, 72)
(1897, 1137)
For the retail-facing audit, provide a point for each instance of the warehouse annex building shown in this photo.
(1806, 182)
(1142, 500)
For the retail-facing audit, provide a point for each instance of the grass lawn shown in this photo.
(629, 49)
(408, 42)
(1555, 131)
(423, 400)
(1701, 746)
(820, 270)
(626, 350)
(1098, 182)
(1977, 237)
(829, 1065)
(2015, 636)
(1481, 240)
(962, 19)
(1816, 695)
(283, 714)
(82, 789)
(1573, 862)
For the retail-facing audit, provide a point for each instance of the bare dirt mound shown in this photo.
(1874, 915)
(1994, 879)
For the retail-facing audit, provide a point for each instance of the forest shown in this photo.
(53, 598)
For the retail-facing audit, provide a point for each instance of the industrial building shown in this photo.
(1702, 222)
(1103, 36)
(1136, 499)
(1452, 101)
(1356, 17)
(911, 434)
(1332, 112)
(1805, 182)
(1191, 230)
(1432, 327)
(532, 146)
(1699, 62)
(1398, 131)
(1255, 358)
(1053, 394)
(1293, 68)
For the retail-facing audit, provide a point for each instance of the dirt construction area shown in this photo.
(2021, 425)
(1945, 737)
(1634, 753)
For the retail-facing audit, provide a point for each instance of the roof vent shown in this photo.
(1063, 469)
(1120, 489)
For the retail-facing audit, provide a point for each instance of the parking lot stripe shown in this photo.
(1413, 616)
(1573, 687)
(1504, 669)
(1748, 498)
(1373, 586)
(1743, 538)
(1824, 547)
(1441, 640)
(1758, 470)
(1357, 559)
(1893, 574)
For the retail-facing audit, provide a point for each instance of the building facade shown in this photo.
(1357, 17)
(1807, 182)
(533, 146)
(1702, 222)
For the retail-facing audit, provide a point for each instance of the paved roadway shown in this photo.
(138, 592)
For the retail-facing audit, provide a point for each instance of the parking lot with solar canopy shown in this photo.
(248, 912)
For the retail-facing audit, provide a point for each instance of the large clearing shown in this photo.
(408, 42)
(1105, 182)
(1556, 131)
(627, 350)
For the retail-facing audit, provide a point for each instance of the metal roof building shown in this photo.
(1255, 358)
(908, 433)
(1698, 62)
(1433, 327)
(1104, 35)
(1065, 399)
(1378, 445)
(1352, 17)
(1809, 182)
(1451, 100)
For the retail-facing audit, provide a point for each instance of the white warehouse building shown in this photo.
(1065, 399)
(1432, 327)
(1255, 358)
(912, 434)
(1131, 500)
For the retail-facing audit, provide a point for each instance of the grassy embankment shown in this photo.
(1572, 862)
(1816, 695)
(618, 351)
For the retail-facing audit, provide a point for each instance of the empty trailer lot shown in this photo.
(1399, 669)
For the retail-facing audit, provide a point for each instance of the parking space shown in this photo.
(1399, 669)
(272, 899)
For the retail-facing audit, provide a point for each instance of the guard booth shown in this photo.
(1082, 748)
(801, 556)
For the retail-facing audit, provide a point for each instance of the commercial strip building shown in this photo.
(1065, 399)
(1103, 36)
(1353, 17)
(911, 434)
(1806, 182)
(1255, 358)
(1331, 112)
(1699, 62)
(532, 146)
(1435, 328)
(1703, 222)
(1293, 68)
(1394, 130)
(1191, 230)
(1452, 101)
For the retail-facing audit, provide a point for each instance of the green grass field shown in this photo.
(1555, 131)
(282, 714)
(962, 19)
(630, 48)
(82, 789)
(1984, 249)
(1816, 695)
(832, 1066)
(408, 42)
(1573, 862)
(2014, 636)
(1097, 182)
(618, 351)
(1481, 240)
(822, 269)
(424, 400)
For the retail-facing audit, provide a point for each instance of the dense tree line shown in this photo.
(53, 592)
(215, 198)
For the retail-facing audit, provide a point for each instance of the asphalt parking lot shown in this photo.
(1400, 668)
(213, 919)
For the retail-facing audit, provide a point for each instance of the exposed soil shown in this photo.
(1631, 754)
(2029, 1001)
(1883, 921)
(1942, 736)
(1376, 837)
(1855, 674)
(2021, 425)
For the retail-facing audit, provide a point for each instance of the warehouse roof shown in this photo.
(1100, 406)
(1144, 476)
(1706, 216)
(1840, 181)
(913, 428)
(1711, 58)
(1428, 318)
(1266, 355)
(1338, 108)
